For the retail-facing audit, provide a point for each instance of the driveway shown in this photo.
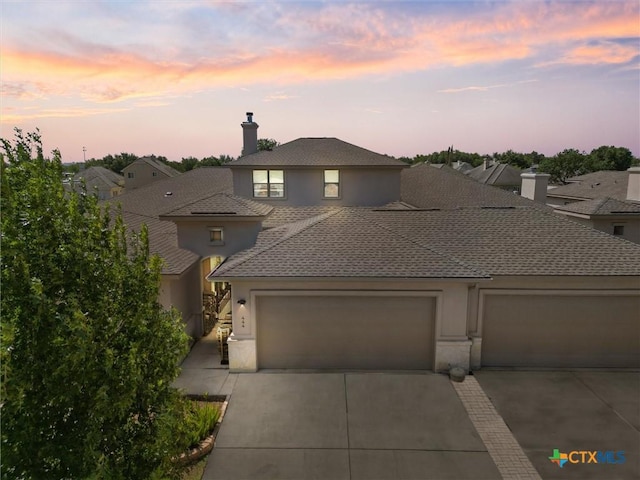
(347, 426)
(570, 411)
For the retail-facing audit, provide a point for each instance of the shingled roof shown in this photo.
(444, 188)
(601, 184)
(145, 204)
(498, 174)
(220, 205)
(341, 244)
(601, 206)
(317, 152)
(455, 243)
(99, 177)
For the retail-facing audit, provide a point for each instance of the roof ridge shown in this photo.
(422, 245)
(310, 222)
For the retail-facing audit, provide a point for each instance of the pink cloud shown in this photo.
(336, 42)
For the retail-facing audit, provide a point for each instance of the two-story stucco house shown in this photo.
(342, 258)
(146, 170)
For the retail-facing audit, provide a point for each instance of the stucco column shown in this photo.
(243, 355)
(452, 343)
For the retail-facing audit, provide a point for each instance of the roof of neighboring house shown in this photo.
(99, 178)
(145, 204)
(317, 152)
(601, 206)
(220, 205)
(160, 166)
(427, 187)
(498, 174)
(341, 243)
(462, 166)
(601, 184)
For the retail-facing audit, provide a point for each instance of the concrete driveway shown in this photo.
(570, 411)
(347, 426)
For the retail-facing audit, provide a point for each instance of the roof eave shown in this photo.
(231, 278)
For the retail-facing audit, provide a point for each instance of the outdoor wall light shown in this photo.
(242, 301)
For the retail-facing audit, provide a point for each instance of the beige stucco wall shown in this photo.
(237, 236)
(142, 175)
(305, 186)
(184, 293)
(631, 227)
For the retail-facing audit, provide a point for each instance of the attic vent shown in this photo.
(212, 213)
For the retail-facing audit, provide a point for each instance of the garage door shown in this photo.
(561, 331)
(345, 332)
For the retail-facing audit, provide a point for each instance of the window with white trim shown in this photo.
(268, 183)
(331, 184)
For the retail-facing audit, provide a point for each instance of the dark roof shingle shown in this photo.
(317, 152)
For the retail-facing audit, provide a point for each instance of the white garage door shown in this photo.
(345, 332)
(561, 331)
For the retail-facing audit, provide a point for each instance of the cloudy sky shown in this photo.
(175, 78)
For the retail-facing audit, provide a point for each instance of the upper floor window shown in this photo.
(154, 174)
(331, 183)
(268, 183)
(130, 175)
(618, 229)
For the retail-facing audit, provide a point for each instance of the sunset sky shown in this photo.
(176, 78)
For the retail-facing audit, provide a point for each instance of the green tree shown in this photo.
(564, 165)
(610, 158)
(267, 144)
(87, 353)
(115, 163)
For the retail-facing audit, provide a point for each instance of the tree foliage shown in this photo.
(88, 355)
(267, 144)
(570, 162)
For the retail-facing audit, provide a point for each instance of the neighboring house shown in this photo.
(462, 167)
(582, 201)
(342, 258)
(496, 174)
(99, 181)
(612, 184)
(146, 170)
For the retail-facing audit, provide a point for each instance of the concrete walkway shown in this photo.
(347, 426)
(202, 373)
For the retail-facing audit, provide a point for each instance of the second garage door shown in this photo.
(345, 332)
(561, 331)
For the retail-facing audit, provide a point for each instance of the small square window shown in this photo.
(216, 236)
(154, 174)
(618, 229)
(130, 174)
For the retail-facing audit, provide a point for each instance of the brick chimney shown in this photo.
(534, 186)
(249, 135)
(633, 187)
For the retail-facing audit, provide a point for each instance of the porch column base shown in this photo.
(452, 353)
(243, 357)
(476, 350)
